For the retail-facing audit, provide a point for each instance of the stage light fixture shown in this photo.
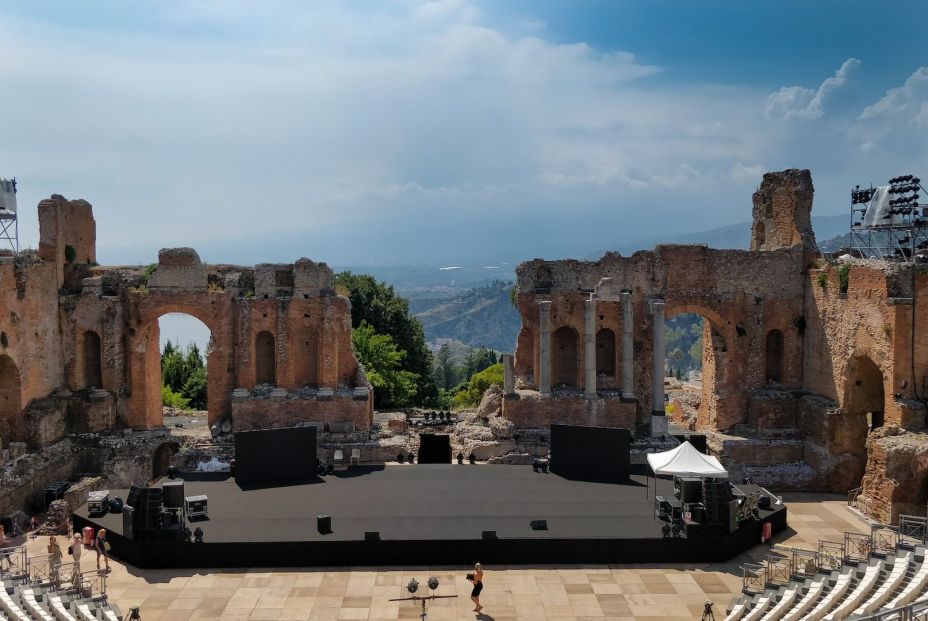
(413, 586)
(433, 583)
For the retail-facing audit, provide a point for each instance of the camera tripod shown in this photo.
(707, 614)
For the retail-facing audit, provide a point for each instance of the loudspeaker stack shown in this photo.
(147, 514)
(716, 494)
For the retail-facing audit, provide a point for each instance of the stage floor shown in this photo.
(420, 502)
(428, 514)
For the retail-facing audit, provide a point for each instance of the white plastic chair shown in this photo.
(339, 456)
(356, 456)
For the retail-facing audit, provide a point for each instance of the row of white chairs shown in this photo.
(851, 592)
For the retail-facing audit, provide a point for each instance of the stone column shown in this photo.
(658, 417)
(628, 347)
(544, 347)
(589, 348)
(509, 381)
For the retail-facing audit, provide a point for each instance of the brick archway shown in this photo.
(213, 309)
(723, 400)
(565, 357)
(862, 407)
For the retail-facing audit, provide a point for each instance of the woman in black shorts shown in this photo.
(478, 587)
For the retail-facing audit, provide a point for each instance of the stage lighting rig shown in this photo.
(859, 196)
(892, 222)
(413, 586)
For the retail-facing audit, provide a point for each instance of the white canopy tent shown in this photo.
(685, 460)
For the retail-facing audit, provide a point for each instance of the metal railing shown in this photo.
(830, 555)
(913, 531)
(92, 585)
(13, 562)
(40, 570)
(852, 496)
(779, 569)
(805, 563)
(883, 539)
(754, 578)
(856, 547)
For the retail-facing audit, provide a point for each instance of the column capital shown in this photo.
(544, 306)
(590, 303)
(625, 296)
(656, 306)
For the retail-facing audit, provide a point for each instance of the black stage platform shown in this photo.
(427, 514)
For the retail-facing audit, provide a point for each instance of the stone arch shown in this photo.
(773, 357)
(864, 392)
(161, 459)
(265, 359)
(525, 355)
(146, 308)
(722, 403)
(11, 418)
(564, 357)
(605, 352)
(93, 360)
(862, 408)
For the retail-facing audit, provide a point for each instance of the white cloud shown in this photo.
(907, 100)
(805, 103)
(327, 117)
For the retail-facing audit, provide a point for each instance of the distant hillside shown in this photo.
(479, 317)
(736, 236)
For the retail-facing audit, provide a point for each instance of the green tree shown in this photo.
(470, 395)
(194, 389)
(382, 362)
(445, 371)
(377, 304)
(478, 360)
(183, 377)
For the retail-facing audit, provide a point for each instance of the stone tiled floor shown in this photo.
(565, 593)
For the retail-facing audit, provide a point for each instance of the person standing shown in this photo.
(54, 558)
(76, 547)
(103, 548)
(478, 586)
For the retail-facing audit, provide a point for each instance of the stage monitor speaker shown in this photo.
(173, 493)
(133, 498)
(689, 489)
(372, 535)
(732, 516)
(598, 454)
(324, 524)
(539, 524)
(489, 534)
(128, 522)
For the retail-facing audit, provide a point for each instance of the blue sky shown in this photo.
(451, 131)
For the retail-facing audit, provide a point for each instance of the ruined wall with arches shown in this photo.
(80, 343)
(809, 380)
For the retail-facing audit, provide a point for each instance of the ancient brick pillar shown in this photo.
(544, 347)
(589, 348)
